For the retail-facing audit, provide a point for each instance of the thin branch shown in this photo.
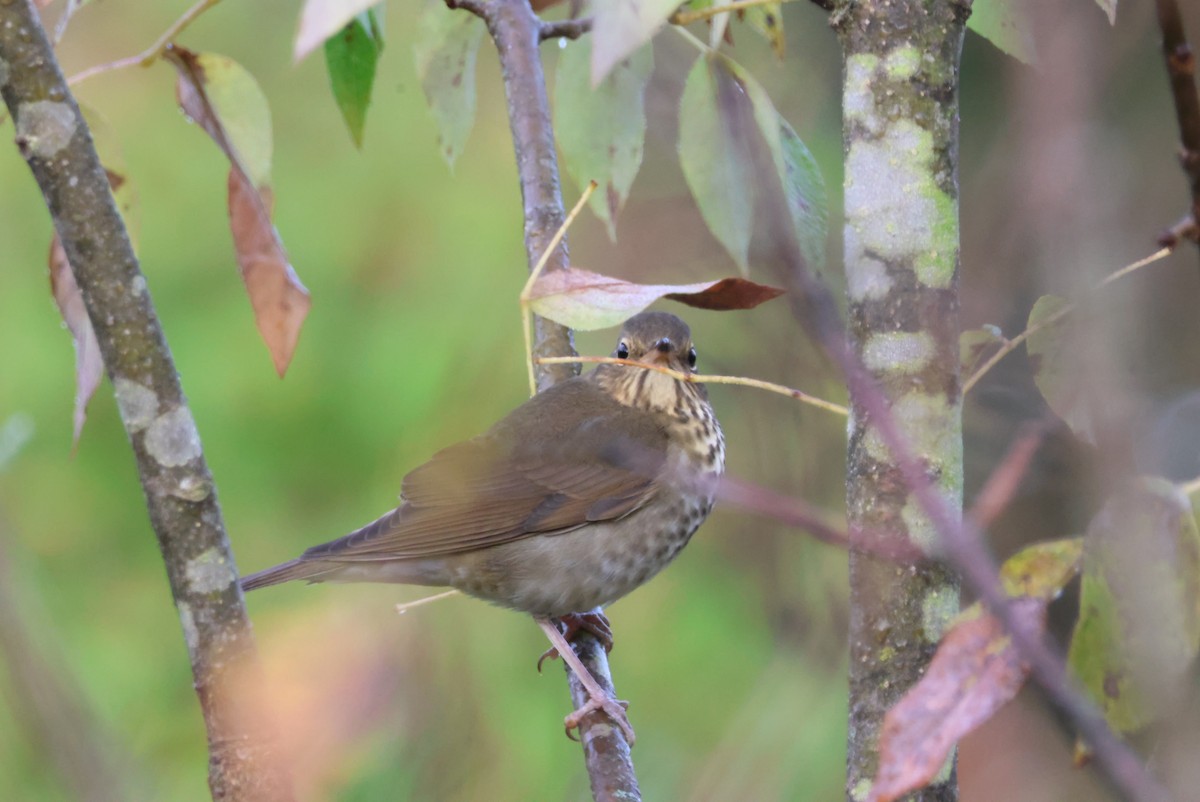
(1181, 72)
(153, 52)
(516, 31)
(1011, 345)
(699, 378)
(179, 491)
(565, 29)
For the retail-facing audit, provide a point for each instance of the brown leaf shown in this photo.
(280, 301)
(585, 300)
(221, 97)
(975, 672)
(89, 365)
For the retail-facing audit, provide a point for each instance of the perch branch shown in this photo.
(1181, 72)
(564, 29)
(180, 496)
(517, 31)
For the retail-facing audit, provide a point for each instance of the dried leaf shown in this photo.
(1043, 569)
(584, 300)
(601, 131)
(321, 19)
(974, 673)
(976, 344)
(280, 301)
(1007, 25)
(89, 365)
(219, 95)
(351, 57)
(446, 47)
(714, 165)
(1139, 624)
(620, 27)
(1052, 356)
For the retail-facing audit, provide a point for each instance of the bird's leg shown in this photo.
(594, 622)
(598, 698)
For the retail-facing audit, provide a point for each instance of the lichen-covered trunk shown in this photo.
(900, 134)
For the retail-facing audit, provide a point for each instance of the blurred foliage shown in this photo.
(733, 659)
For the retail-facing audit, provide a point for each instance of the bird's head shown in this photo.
(654, 338)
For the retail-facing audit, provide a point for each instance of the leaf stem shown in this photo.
(697, 378)
(150, 54)
(1011, 345)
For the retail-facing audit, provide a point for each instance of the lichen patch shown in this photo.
(44, 127)
(172, 439)
(898, 351)
(209, 572)
(137, 402)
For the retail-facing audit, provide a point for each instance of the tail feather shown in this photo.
(312, 570)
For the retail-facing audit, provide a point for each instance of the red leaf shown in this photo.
(89, 365)
(975, 672)
(280, 301)
(584, 300)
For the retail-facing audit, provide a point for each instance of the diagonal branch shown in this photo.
(517, 31)
(180, 495)
(1181, 71)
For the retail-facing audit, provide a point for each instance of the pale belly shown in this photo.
(574, 572)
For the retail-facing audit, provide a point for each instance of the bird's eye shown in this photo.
(622, 351)
(691, 357)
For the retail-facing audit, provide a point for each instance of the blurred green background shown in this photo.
(733, 660)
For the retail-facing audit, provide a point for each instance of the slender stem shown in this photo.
(697, 378)
(1181, 72)
(152, 53)
(688, 17)
(180, 494)
(1011, 345)
(516, 31)
(565, 29)
(401, 609)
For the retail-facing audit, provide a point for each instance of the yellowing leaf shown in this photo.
(446, 47)
(1043, 569)
(580, 299)
(1052, 351)
(600, 131)
(976, 344)
(1007, 25)
(767, 19)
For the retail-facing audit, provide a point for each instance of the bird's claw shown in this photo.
(594, 623)
(614, 708)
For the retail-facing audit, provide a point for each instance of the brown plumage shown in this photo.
(574, 499)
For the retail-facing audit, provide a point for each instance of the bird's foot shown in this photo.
(594, 623)
(615, 708)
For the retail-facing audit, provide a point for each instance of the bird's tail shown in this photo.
(312, 570)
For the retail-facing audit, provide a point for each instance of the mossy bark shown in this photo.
(900, 134)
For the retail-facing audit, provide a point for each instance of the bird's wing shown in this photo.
(564, 459)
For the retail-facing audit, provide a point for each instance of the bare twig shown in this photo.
(565, 29)
(1181, 71)
(1011, 345)
(180, 496)
(517, 31)
(153, 52)
(699, 378)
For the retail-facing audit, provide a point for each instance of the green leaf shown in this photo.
(713, 164)
(601, 131)
(768, 21)
(1007, 25)
(620, 27)
(321, 19)
(351, 57)
(447, 44)
(1139, 626)
(803, 185)
(974, 344)
(1052, 354)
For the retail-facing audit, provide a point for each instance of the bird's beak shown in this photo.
(661, 352)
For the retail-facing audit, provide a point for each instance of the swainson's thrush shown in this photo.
(574, 499)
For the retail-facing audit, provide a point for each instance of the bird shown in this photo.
(575, 498)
